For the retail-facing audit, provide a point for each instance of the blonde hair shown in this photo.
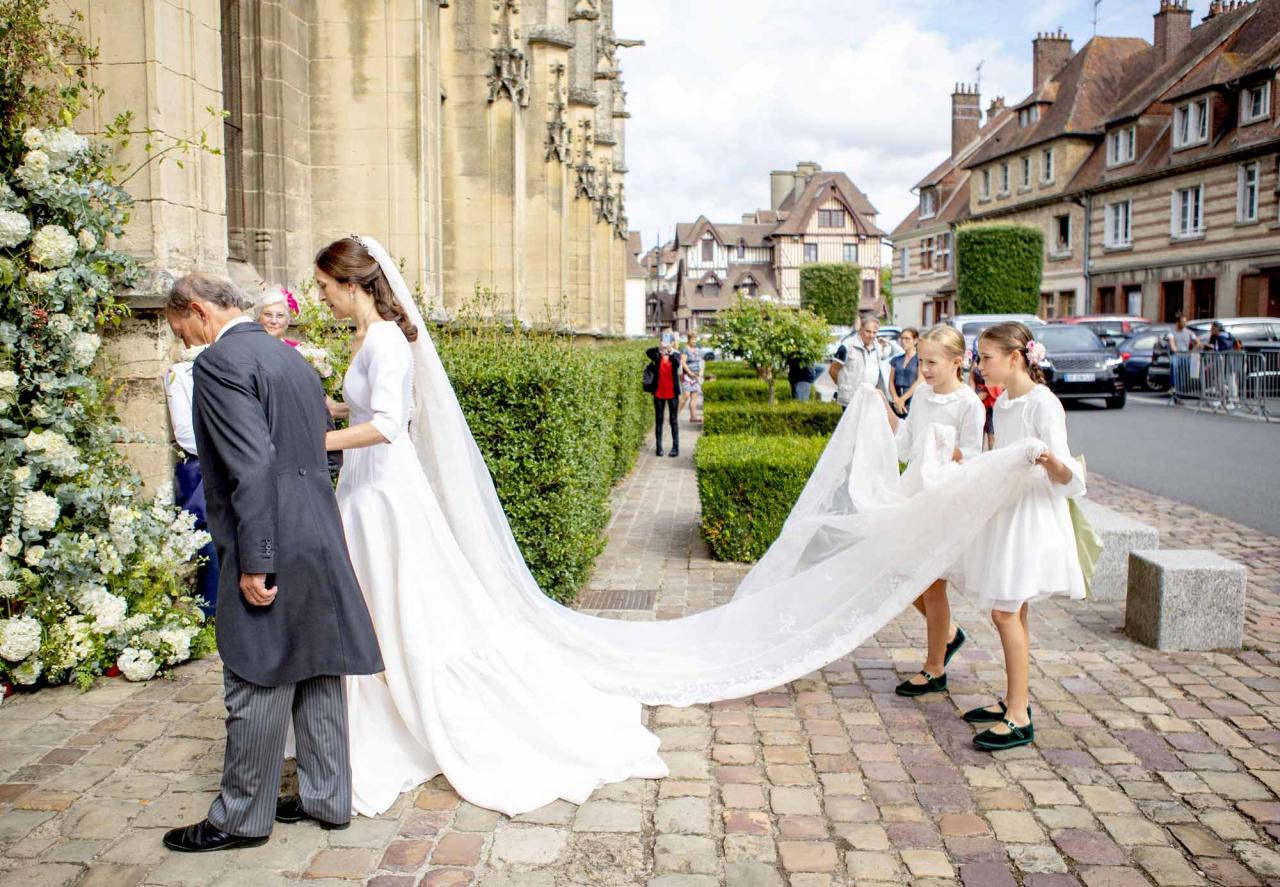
(947, 338)
(1012, 336)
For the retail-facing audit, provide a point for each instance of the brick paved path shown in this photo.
(1150, 768)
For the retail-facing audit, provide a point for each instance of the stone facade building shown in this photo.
(482, 142)
(813, 217)
(1152, 169)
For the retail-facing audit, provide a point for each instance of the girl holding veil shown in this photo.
(519, 700)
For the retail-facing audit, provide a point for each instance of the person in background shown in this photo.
(188, 483)
(801, 376)
(276, 310)
(668, 366)
(1181, 338)
(988, 394)
(906, 370)
(1220, 339)
(863, 359)
(691, 378)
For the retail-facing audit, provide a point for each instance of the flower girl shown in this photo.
(942, 399)
(1027, 551)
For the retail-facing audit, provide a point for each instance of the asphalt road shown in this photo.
(1224, 465)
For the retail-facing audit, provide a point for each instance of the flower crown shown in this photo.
(1035, 352)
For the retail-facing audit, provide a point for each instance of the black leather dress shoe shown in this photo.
(289, 809)
(990, 740)
(930, 685)
(675, 451)
(987, 716)
(954, 646)
(204, 837)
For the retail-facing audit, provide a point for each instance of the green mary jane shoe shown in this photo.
(931, 685)
(989, 740)
(954, 646)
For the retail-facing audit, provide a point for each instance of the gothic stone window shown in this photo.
(233, 131)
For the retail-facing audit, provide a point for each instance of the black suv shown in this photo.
(1078, 365)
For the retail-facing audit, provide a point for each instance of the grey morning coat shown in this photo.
(259, 424)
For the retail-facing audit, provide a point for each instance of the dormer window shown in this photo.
(1029, 115)
(1120, 145)
(748, 286)
(1191, 123)
(1255, 103)
(831, 218)
(928, 203)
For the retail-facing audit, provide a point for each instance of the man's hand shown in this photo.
(254, 588)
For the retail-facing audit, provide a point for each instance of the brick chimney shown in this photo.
(1218, 7)
(997, 104)
(1173, 29)
(1050, 53)
(966, 116)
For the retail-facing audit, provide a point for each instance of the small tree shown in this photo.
(833, 292)
(767, 336)
(998, 268)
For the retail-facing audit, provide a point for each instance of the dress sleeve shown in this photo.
(390, 363)
(1051, 427)
(972, 422)
(178, 384)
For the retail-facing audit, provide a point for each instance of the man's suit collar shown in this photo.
(242, 327)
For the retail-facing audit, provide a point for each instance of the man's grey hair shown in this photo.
(201, 287)
(869, 319)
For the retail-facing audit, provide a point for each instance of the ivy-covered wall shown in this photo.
(833, 292)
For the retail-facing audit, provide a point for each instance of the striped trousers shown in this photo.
(257, 726)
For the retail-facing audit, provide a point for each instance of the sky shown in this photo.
(726, 90)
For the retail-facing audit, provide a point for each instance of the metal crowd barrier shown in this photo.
(1246, 382)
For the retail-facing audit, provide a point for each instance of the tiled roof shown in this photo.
(820, 185)
(1085, 93)
(635, 246)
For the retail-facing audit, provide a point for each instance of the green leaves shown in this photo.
(805, 419)
(998, 268)
(833, 292)
(766, 335)
(747, 486)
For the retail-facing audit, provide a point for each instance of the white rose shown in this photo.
(107, 610)
(53, 247)
(34, 556)
(19, 638)
(28, 672)
(33, 138)
(84, 348)
(137, 665)
(34, 171)
(88, 242)
(8, 380)
(11, 545)
(15, 228)
(40, 511)
(9, 588)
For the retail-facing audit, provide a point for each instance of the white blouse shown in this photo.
(1039, 414)
(961, 409)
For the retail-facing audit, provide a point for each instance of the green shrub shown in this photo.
(753, 390)
(557, 424)
(804, 418)
(747, 486)
(833, 292)
(998, 268)
(730, 369)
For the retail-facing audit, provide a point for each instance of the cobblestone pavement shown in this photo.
(1149, 767)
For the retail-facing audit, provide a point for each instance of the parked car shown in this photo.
(1136, 352)
(1249, 331)
(972, 325)
(1110, 328)
(1078, 365)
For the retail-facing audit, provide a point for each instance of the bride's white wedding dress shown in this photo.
(519, 700)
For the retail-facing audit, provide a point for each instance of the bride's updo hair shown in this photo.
(347, 261)
(951, 343)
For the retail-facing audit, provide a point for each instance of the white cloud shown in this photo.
(726, 90)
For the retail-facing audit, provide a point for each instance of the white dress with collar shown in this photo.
(1027, 550)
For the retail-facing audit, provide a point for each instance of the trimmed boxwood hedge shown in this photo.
(558, 424)
(747, 486)
(998, 268)
(730, 369)
(805, 418)
(753, 390)
(832, 291)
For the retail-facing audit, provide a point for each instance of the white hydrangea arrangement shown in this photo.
(93, 576)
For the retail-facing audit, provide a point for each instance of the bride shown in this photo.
(519, 700)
